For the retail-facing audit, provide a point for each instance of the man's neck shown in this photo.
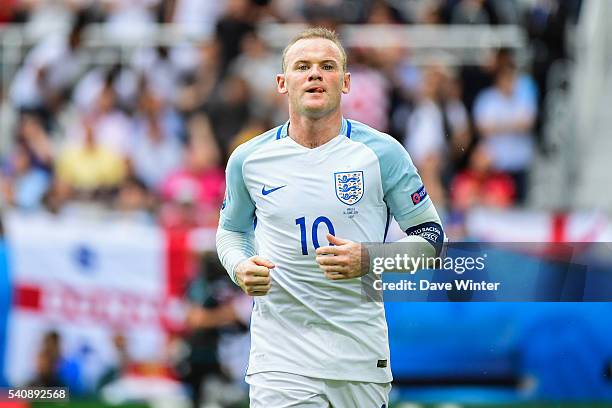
(313, 133)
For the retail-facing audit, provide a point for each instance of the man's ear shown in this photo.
(281, 85)
(346, 83)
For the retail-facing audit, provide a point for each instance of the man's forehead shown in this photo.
(318, 48)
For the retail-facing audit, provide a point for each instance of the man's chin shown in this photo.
(316, 110)
(316, 113)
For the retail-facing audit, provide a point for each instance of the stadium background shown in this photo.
(116, 119)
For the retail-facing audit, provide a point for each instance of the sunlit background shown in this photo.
(117, 118)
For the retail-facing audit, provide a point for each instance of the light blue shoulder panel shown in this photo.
(238, 209)
(403, 189)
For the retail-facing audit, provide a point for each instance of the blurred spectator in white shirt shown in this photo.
(22, 184)
(425, 139)
(197, 18)
(157, 66)
(45, 17)
(505, 115)
(49, 72)
(130, 19)
(156, 149)
(111, 127)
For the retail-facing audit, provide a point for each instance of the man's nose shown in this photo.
(315, 73)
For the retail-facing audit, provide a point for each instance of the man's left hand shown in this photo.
(342, 259)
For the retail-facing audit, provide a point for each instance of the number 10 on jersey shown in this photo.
(301, 222)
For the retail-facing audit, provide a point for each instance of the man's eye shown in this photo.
(302, 67)
(328, 67)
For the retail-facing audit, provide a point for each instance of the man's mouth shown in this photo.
(316, 90)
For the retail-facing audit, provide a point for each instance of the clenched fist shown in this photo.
(343, 259)
(253, 275)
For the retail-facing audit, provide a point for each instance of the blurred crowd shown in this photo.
(149, 138)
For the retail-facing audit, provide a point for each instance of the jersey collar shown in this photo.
(345, 129)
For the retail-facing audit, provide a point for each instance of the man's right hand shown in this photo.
(253, 275)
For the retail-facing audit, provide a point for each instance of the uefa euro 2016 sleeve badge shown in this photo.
(349, 186)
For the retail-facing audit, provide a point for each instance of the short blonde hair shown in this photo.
(316, 32)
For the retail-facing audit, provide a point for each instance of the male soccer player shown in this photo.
(300, 199)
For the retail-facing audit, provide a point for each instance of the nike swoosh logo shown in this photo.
(266, 192)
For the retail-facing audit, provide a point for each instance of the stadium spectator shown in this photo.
(44, 17)
(471, 12)
(457, 126)
(370, 103)
(49, 71)
(157, 66)
(156, 148)
(481, 185)
(130, 19)
(547, 24)
(257, 61)
(198, 18)
(22, 184)
(193, 193)
(53, 368)
(328, 13)
(37, 141)
(236, 22)
(45, 376)
(405, 78)
(110, 126)
(122, 364)
(203, 80)
(506, 11)
(431, 12)
(425, 139)
(383, 12)
(57, 197)
(134, 201)
(214, 314)
(229, 110)
(87, 167)
(504, 115)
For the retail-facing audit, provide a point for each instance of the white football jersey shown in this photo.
(293, 195)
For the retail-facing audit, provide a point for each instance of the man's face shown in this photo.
(314, 78)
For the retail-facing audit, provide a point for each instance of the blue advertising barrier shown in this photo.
(5, 303)
(536, 350)
(549, 347)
